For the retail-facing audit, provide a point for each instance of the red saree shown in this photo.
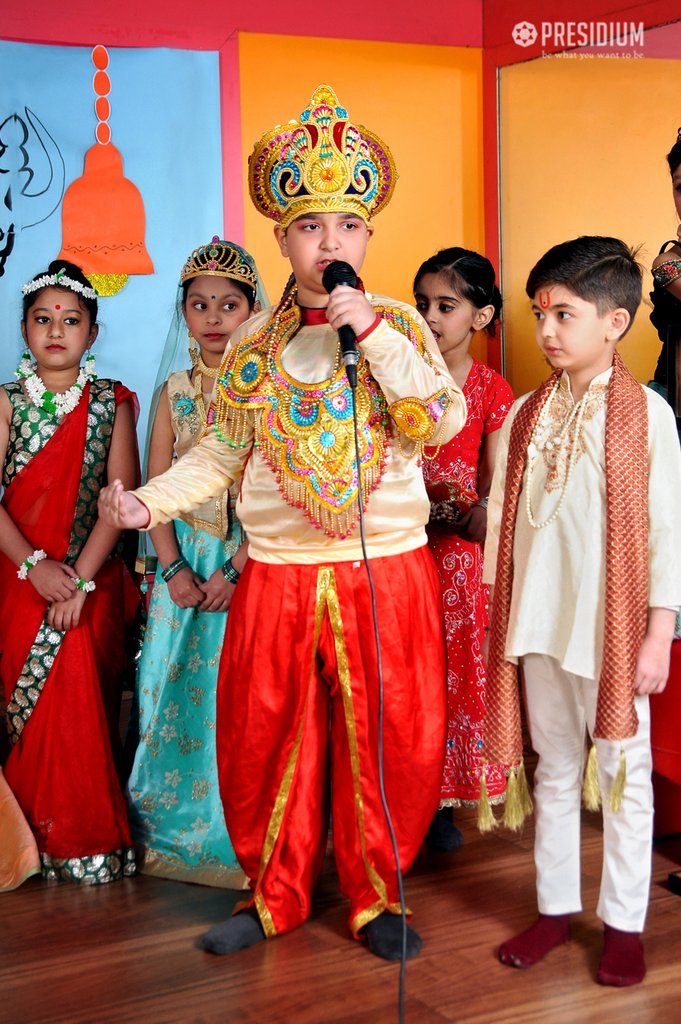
(63, 689)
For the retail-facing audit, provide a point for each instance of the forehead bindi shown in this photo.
(61, 299)
(76, 311)
(199, 295)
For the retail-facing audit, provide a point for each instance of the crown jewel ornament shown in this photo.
(220, 259)
(322, 163)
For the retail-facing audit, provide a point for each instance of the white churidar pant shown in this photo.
(561, 708)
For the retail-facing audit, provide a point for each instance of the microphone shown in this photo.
(334, 274)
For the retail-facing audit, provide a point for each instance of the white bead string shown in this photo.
(58, 403)
(533, 450)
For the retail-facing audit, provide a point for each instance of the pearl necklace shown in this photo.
(534, 448)
(59, 404)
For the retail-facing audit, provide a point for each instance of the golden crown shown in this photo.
(321, 163)
(221, 259)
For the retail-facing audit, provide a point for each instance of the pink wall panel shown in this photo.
(173, 23)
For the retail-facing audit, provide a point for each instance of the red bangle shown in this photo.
(372, 327)
(146, 509)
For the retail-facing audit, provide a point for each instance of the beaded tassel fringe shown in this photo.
(518, 803)
(617, 791)
(486, 819)
(591, 790)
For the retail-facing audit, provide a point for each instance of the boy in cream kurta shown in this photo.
(297, 688)
(568, 533)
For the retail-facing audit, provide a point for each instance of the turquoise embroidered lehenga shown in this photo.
(175, 810)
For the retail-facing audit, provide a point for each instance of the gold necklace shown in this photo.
(201, 371)
(197, 362)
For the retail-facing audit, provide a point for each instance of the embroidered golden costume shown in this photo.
(297, 688)
(283, 420)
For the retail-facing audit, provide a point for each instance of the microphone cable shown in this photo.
(379, 668)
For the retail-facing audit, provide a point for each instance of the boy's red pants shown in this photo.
(297, 725)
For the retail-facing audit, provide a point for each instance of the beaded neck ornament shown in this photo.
(58, 404)
(220, 259)
(321, 163)
(557, 437)
(536, 445)
(304, 432)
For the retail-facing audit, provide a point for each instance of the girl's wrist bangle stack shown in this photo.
(231, 574)
(173, 569)
(37, 556)
(87, 586)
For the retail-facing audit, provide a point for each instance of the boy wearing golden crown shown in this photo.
(298, 685)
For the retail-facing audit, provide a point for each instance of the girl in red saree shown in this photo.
(63, 588)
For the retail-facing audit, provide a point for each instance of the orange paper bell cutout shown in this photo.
(103, 221)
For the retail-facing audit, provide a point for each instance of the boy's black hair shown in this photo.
(76, 274)
(245, 288)
(596, 268)
(470, 275)
(674, 154)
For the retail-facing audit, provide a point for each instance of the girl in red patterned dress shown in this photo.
(456, 293)
(64, 589)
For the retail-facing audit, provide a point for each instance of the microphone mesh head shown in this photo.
(338, 272)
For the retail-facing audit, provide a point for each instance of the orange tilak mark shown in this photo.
(545, 299)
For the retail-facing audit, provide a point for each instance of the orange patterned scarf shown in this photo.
(626, 578)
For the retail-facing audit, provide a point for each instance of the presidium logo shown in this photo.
(524, 33)
(613, 35)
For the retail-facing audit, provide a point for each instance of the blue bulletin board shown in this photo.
(165, 120)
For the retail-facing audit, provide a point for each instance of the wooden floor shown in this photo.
(126, 953)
